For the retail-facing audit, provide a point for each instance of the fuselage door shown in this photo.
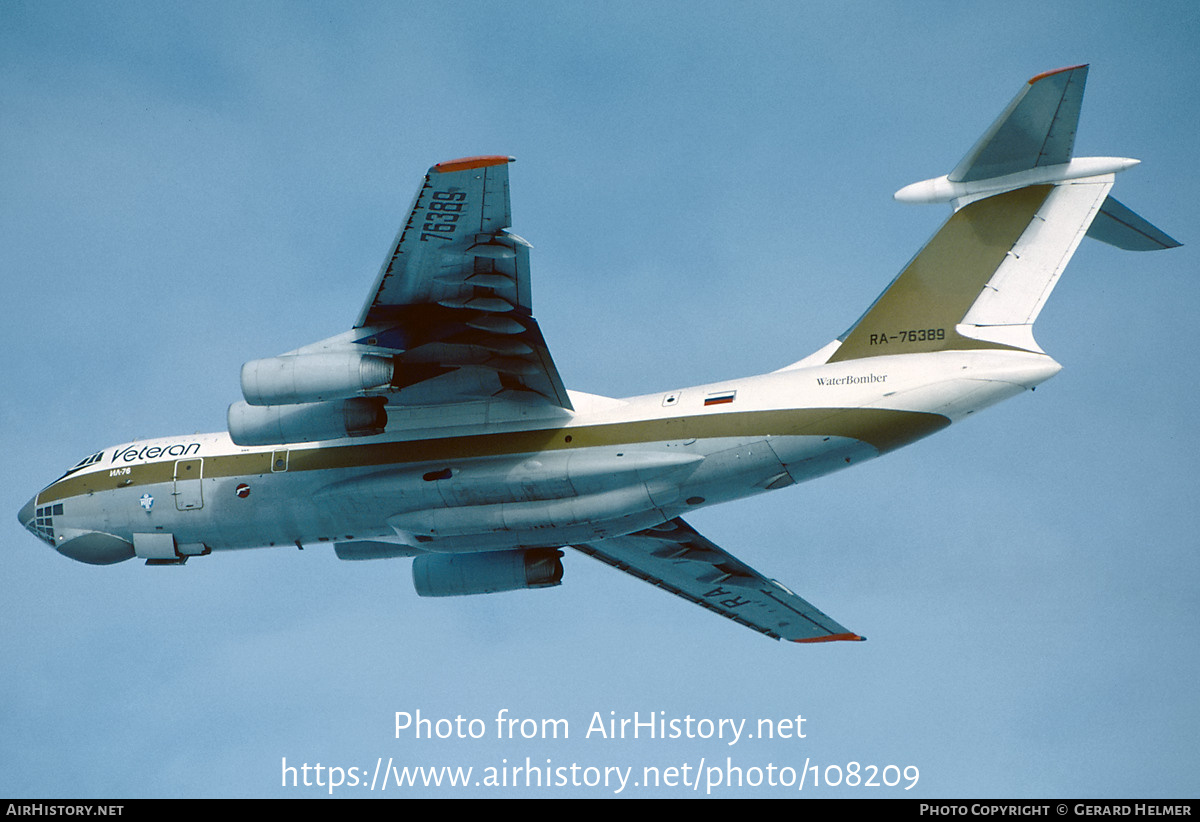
(188, 493)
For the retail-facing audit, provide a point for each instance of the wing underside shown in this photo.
(676, 558)
(452, 301)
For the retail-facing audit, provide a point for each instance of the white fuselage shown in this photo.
(478, 477)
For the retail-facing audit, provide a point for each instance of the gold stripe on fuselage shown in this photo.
(883, 429)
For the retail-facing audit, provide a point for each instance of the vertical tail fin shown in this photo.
(1022, 206)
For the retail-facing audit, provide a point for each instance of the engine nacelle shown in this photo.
(306, 378)
(305, 422)
(449, 575)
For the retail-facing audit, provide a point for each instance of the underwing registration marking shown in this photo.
(734, 601)
(443, 213)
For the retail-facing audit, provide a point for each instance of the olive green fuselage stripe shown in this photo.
(885, 429)
(935, 290)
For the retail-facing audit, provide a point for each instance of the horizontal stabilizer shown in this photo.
(1117, 225)
(1037, 128)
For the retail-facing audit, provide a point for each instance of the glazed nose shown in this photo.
(31, 518)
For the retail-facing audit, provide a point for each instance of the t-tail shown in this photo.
(1022, 204)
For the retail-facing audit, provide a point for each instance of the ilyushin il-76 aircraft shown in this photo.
(438, 428)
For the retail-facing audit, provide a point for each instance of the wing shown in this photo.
(674, 556)
(452, 303)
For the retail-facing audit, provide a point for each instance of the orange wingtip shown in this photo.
(834, 638)
(1045, 74)
(465, 163)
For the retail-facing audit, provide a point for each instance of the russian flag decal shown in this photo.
(719, 399)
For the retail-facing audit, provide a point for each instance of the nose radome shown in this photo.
(26, 515)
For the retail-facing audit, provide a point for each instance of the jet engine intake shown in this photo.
(449, 575)
(305, 422)
(304, 378)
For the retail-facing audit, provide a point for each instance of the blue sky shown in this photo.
(708, 190)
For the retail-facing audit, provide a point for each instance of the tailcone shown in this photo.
(1034, 371)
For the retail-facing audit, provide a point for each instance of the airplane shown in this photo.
(438, 427)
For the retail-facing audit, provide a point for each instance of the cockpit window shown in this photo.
(84, 463)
